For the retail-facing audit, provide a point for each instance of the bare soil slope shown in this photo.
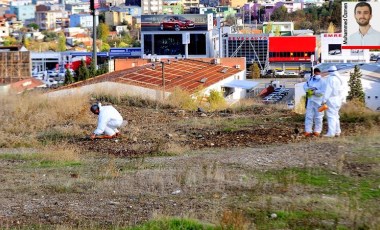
(205, 164)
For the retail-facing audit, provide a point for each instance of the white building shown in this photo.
(151, 6)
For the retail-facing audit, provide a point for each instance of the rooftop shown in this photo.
(186, 74)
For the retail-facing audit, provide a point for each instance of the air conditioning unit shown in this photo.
(237, 66)
(216, 61)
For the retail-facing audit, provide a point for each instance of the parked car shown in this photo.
(335, 52)
(177, 23)
(373, 57)
(290, 105)
(291, 73)
(280, 72)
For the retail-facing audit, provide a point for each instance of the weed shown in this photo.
(173, 224)
(182, 99)
(233, 219)
(216, 100)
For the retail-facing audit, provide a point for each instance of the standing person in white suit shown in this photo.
(109, 121)
(314, 88)
(333, 98)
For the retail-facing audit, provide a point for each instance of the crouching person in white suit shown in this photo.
(109, 120)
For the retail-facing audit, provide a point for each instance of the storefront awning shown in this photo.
(244, 84)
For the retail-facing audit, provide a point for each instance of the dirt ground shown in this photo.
(171, 163)
(155, 131)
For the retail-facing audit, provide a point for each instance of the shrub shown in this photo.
(181, 99)
(216, 100)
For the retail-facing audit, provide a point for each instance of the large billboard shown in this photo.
(332, 51)
(182, 22)
(361, 25)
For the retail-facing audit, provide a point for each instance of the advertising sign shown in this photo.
(182, 22)
(247, 37)
(94, 4)
(360, 25)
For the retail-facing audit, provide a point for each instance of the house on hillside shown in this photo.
(159, 78)
(21, 86)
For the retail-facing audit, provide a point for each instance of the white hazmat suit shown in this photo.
(108, 121)
(333, 97)
(315, 86)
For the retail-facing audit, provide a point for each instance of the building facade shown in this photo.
(83, 20)
(115, 18)
(292, 52)
(252, 46)
(151, 6)
(24, 12)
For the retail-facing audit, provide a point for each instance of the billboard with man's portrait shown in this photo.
(361, 25)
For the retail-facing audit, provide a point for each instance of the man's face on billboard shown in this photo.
(363, 15)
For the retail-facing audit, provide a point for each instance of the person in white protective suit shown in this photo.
(333, 98)
(314, 88)
(109, 120)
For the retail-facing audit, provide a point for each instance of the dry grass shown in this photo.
(29, 117)
(182, 99)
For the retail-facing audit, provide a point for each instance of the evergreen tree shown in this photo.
(331, 28)
(255, 71)
(356, 88)
(83, 72)
(68, 77)
(61, 43)
(102, 69)
(92, 69)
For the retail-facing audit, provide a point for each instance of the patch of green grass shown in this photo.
(232, 125)
(292, 219)
(55, 164)
(326, 182)
(173, 224)
(16, 156)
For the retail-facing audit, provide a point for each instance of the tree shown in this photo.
(123, 44)
(83, 72)
(92, 69)
(356, 88)
(68, 77)
(277, 31)
(26, 41)
(103, 32)
(8, 41)
(280, 14)
(255, 71)
(331, 28)
(50, 36)
(102, 69)
(61, 43)
(34, 26)
(269, 27)
(105, 47)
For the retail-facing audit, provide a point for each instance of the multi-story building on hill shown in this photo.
(151, 6)
(23, 12)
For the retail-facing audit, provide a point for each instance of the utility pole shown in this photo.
(93, 12)
(163, 80)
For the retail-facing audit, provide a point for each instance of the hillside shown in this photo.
(242, 168)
